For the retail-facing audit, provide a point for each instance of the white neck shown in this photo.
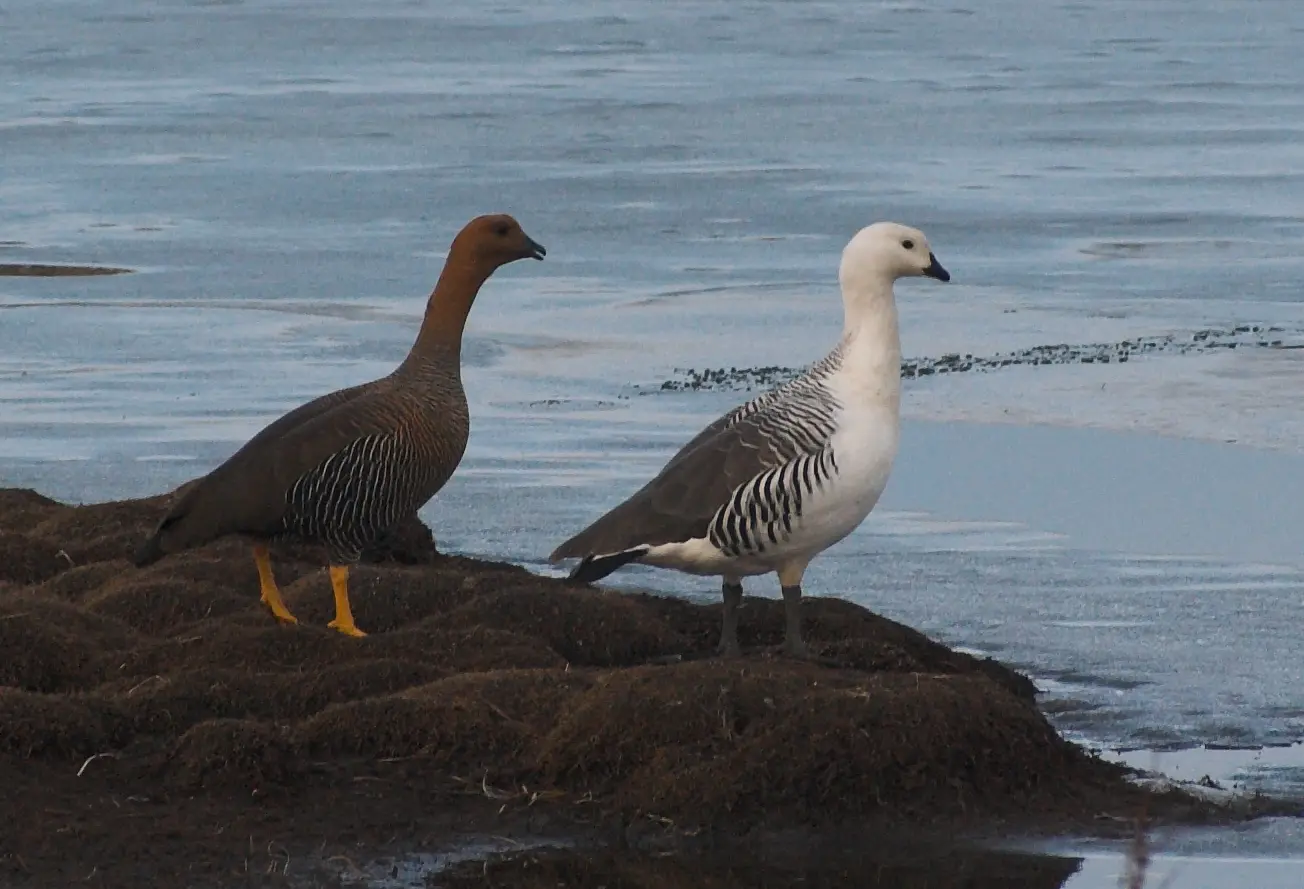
(871, 341)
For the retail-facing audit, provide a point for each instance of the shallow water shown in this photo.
(871, 865)
(284, 177)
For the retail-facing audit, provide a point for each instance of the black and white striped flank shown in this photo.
(797, 420)
(761, 513)
(356, 495)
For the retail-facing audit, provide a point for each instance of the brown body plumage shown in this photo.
(345, 468)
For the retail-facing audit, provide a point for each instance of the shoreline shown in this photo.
(189, 707)
(1076, 535)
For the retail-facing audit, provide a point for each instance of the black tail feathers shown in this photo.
(593, 568)
(149, 553)
(152, 550)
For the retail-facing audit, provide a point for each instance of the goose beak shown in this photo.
(537, 250)
(935, 269)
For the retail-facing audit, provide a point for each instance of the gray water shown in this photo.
(878, 863)
(285, 177)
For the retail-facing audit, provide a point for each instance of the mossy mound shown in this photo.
(173, 689)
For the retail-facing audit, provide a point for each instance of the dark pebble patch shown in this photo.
(38, 270)
(1247, 336)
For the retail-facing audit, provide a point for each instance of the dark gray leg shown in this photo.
(792, 641)
(733, 596)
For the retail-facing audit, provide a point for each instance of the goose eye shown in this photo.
(908, 244)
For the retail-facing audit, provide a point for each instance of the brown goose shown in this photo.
(345, 468)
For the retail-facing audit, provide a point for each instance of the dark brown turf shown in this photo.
(159, 728)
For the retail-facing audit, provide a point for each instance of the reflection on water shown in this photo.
(889, 867)
(855, 863)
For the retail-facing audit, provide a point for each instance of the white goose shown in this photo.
(777, 480)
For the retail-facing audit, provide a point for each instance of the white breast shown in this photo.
(864, 449)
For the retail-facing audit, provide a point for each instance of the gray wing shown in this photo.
(766, 401)
(679, 503)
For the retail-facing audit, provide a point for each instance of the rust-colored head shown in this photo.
(482, 246)
(494, 240)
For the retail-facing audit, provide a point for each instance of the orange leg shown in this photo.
(343, 614)
(271, 596)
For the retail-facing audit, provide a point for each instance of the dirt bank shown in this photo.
(158, 722)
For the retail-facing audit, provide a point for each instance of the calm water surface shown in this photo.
(286, 176)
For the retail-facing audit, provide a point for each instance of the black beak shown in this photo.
(935, 269)
(536, 249)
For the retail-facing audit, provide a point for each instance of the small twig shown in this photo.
(498, 710)
(665, 659)
(544, 795)
(723, 710)
(285, 866)
(357, 871)
(1138, 857)
(493, 792)
(144, 682)
(91, 759)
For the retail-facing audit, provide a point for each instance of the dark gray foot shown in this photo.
(733, 596)
(793, 644)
